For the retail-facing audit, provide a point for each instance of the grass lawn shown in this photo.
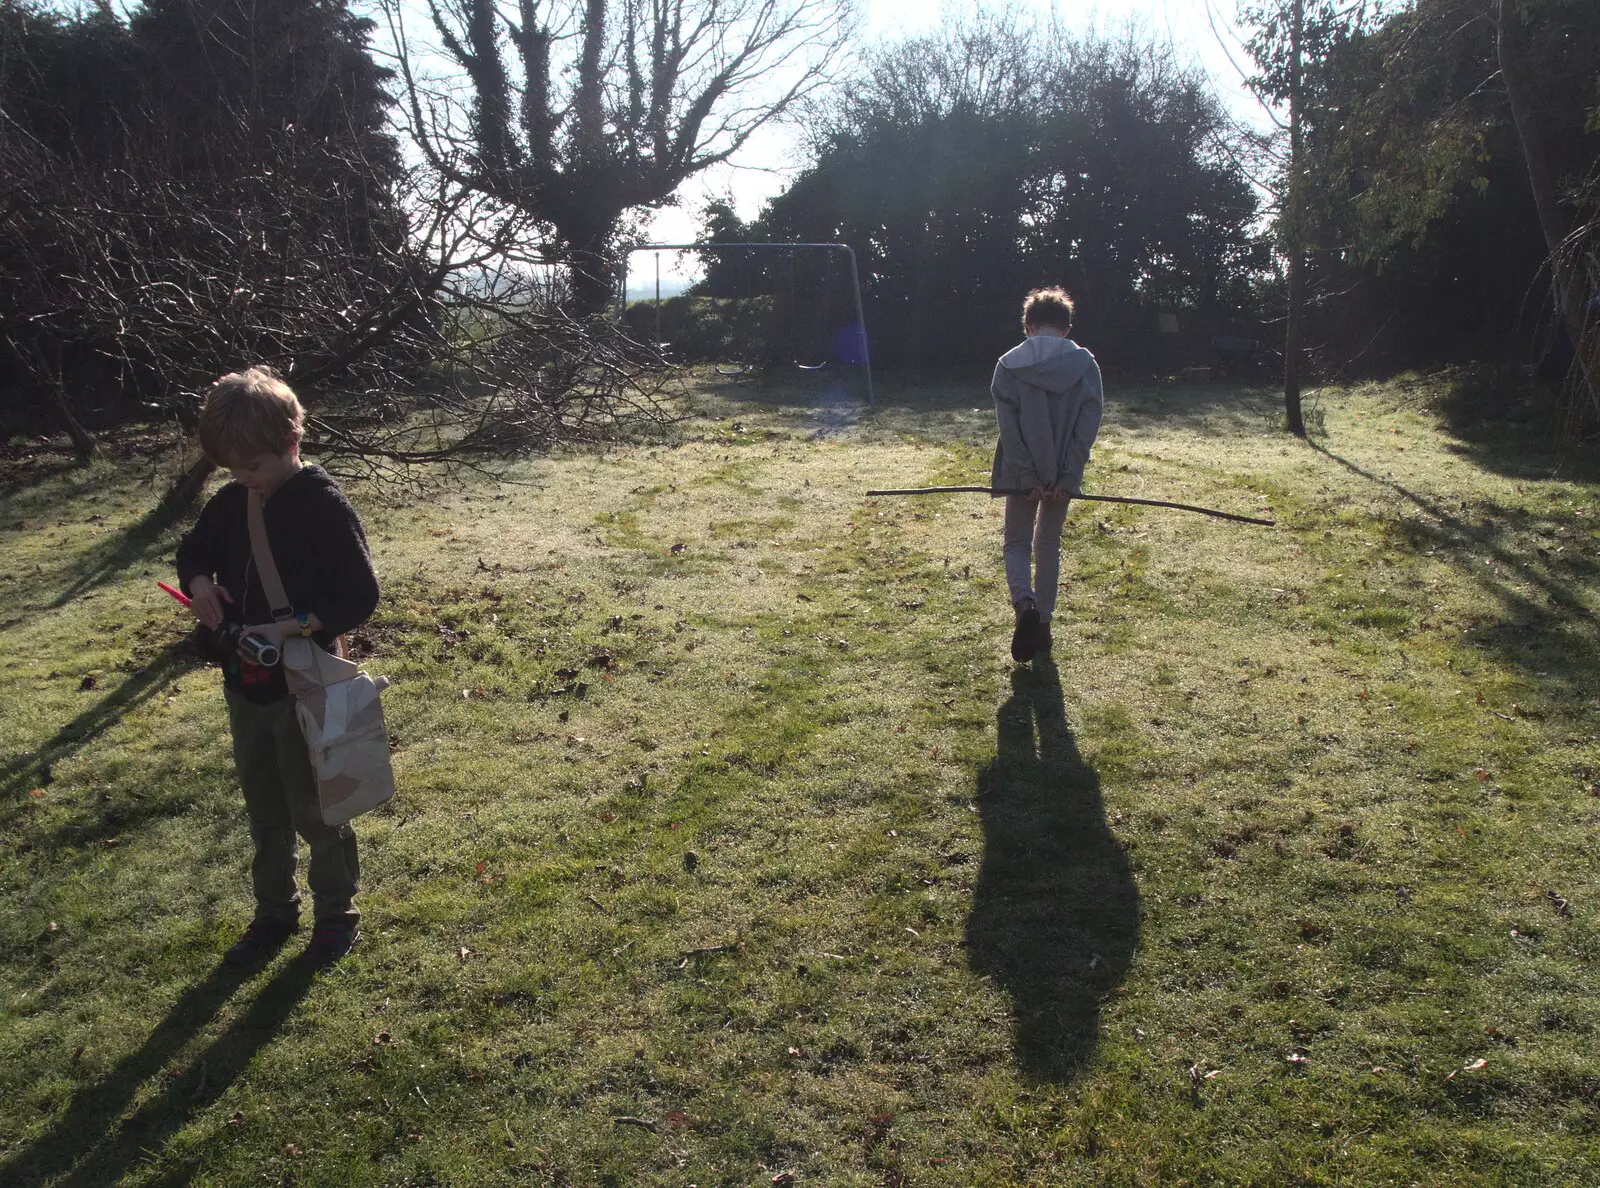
(731, 846)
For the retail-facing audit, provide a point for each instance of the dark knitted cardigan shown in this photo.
(321, 552)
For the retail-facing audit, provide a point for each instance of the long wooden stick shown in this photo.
(1204, 511)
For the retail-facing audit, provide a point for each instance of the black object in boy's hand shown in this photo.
(222, 644)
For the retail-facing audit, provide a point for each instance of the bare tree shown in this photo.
(259, 216)
(1290, 43)
(607, 105)
(434, 342)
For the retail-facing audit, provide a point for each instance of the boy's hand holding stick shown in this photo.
(1038, 493)
(206, 605)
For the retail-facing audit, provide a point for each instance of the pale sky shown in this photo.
(767, 163)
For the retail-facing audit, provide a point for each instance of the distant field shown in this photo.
(642, 284)
(731, 846)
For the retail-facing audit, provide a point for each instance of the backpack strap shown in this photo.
(266, 567)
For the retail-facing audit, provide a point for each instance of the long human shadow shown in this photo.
(1055, 913)
(92, 1144)
(31, 768)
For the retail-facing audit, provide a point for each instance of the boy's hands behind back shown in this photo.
(206, 599)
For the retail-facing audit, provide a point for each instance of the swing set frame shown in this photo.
(791, 248)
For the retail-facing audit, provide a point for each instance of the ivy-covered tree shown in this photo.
(576, 114)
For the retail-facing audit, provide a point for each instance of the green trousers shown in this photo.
(280, 796)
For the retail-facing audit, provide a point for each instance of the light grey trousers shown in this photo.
(1032, 536)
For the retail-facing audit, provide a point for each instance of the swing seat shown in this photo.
(811, 366)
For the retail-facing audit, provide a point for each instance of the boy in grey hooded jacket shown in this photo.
(1047, 400)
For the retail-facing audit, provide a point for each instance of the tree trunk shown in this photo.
(48, 372)
(1510, 42)
(591, 266)
(186, 488)
(1295, 237)
(592, 282)
(84, 446)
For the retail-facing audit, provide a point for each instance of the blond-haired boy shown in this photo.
(1048, 401)
(252, 424)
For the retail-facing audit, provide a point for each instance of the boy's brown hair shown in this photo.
(1051, 308)
(249, 413)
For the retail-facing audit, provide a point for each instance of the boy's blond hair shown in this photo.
(249, 413)
(1051, 307)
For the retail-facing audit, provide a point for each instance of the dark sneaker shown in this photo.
(260, 941)
(1024, 638)
(330, 940)
(1042, 640)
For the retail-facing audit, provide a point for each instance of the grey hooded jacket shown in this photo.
(1047, 399)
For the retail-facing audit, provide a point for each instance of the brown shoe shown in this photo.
(330, 941)
(261, 939)
(1024, 637)
(1042, 640)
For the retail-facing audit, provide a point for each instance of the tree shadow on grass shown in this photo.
(1055, 914)
(106, 560)
(138, 542)
(1554, 644)
(20, 479)
(1514, 426)
(32, 768)
(93, 1144)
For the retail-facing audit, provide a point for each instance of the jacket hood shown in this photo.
(1045, 361)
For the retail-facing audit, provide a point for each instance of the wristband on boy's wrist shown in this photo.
(305, 625)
